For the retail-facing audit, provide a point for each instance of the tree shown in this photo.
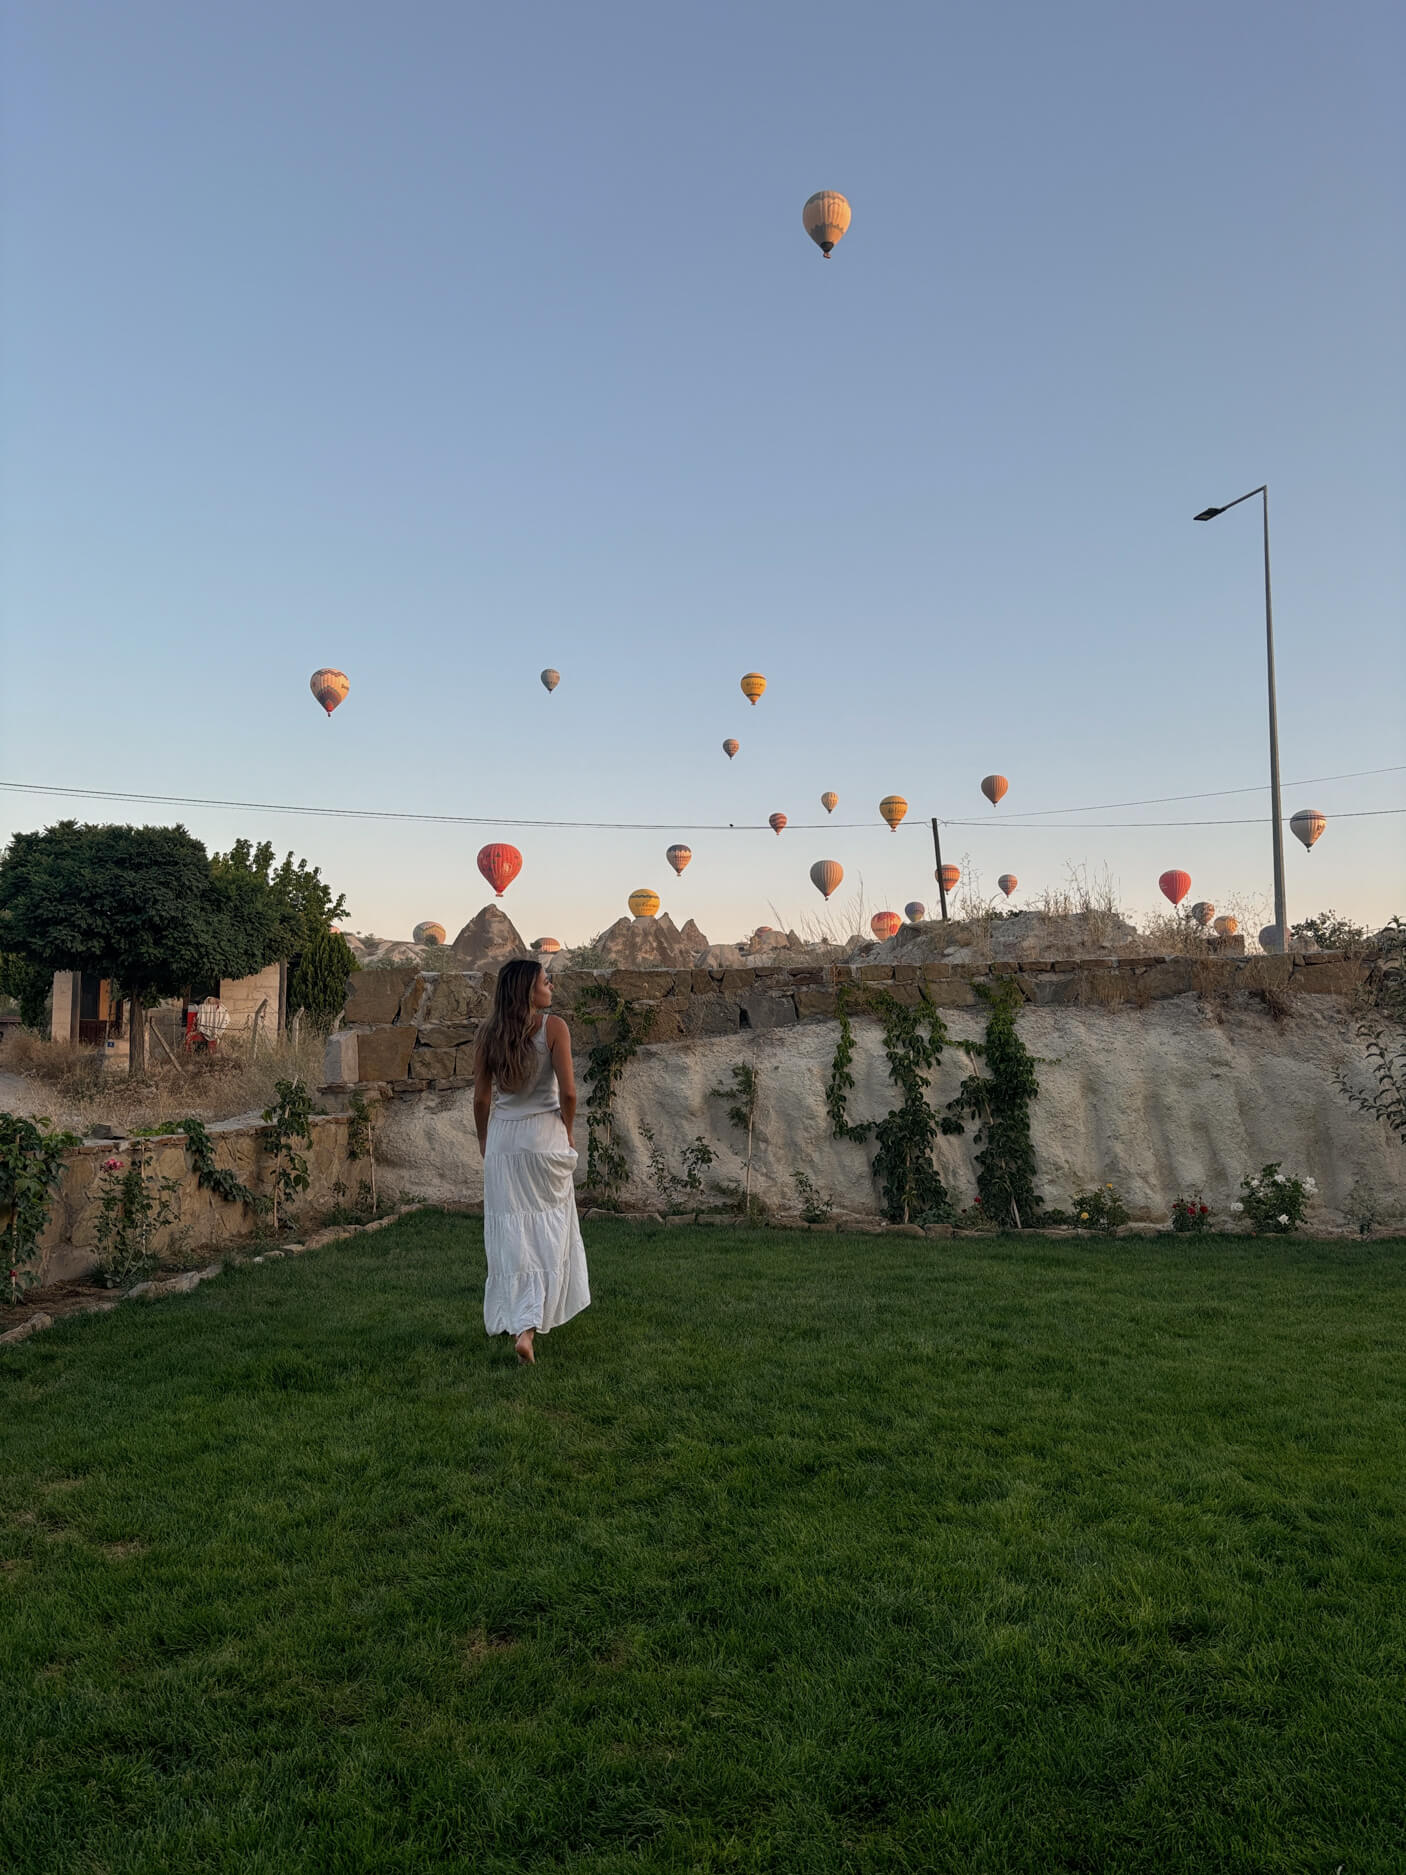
(29, 984)
(301, 908)
(1329, 932)
(318, 980)
(140, 905)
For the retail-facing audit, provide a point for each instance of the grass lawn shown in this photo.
(794, 1553)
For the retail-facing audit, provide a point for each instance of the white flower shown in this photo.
(1280, 1179)
(1310, 1184)
(1237, 1207)
(1254, 1184)
(1283, 1217)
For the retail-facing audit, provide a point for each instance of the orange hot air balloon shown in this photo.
(829, 802)
(825, 875)
(753, 684)
(884, 923)
(547, 946)
(1227, 927)
(776, 822)
(915, 912)
(1203, 911)
(731, 746)
(1008, 883)
(500, 865)
(947, 877)
(993, 787)
(1307, 825)
(893, 807)
(1175, 885)
(428, 933)
(644, 903)
(825, 218)
(679, 856)
(329, 687)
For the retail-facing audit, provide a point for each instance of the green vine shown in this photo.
(220, 1179)
(31, 1169)
(606, 1165)
(902, 1166)
(999, 1102)
(289, 1126)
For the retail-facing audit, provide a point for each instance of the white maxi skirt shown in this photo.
(536, 1259)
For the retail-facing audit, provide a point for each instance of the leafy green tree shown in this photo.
(1330, 932)
(298, 910)
(318, 979)
(29, 984)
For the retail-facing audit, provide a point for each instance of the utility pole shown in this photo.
(937, 855)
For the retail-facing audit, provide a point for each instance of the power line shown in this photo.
(683, 826)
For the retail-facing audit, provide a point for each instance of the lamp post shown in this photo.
(1276, 813)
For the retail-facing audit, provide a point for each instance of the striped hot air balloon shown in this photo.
(825, 876)
(993, 787)
(329, 687)
(428, 933)
(1203, 911)
(829, 801)
(679, 856)
(500, 864)
(550, 680)
(776, 822)
(1174, 885)
(731, 746)
(548, 947)
(915, 911)
(644, 903)
(825, 218)
(884, 923)
(753, 684)
(893, 807)
(947, 877)
(1307, 825)
(1226, 927)
(1008, 883)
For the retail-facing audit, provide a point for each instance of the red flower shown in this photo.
(1203, 1210)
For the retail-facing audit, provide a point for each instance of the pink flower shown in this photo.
(112, 1165)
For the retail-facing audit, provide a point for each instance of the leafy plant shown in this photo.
(1273, 1202)
(29, 984)
(999, 1102)
(31, 1170)
(1328, 931)
(974, 1217)
(1381, 1029)
(742, 1112)
(319, 975)
(286, 1129)
(361, 1137)
(606, 1167)
(696, 1158)
(133, 1204)
(816, 1205)
(902, 1165)
(223, 1180)
(1362, 1209)
(1101, 1209)
(1191, 1216)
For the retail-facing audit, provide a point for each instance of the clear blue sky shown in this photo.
(444, 342)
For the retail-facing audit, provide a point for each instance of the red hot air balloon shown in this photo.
(776, 822)
(500, 865)
(947, 877)
(1175, 885)
(1008, 883)
(884, 923)
(993, 787)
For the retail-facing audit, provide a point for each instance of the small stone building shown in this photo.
(86, 1011)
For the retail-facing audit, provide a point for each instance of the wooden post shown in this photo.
(136, 1037)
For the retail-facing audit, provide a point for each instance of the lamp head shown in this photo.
(1208, 514)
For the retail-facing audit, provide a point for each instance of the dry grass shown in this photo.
(77, 1089)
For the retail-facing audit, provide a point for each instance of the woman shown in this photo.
(524, 1111)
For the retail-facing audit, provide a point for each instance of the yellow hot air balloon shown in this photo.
(548, 947)
(731, 746)
(428, 933)
(1226, 927)
(893, 807)
(829, 802)
(679, 856)
(550, 680)
(644, 903)
(329, 687)
(1307, 824)
(753, 684)
(826, 216)
(825, 875)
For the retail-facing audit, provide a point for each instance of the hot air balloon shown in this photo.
(893, 807)
(500, 865)
(993, 787)
(825, 875)
(829, 802)
(731, 746)
(1008, 883)
(547, 946)
(915, 911)
(644, 903)
(329, 687)
(1307, 824)
(947, 877)
(550, 680)
(428, 933)
(826, 217)
(1203, 911)
(1271, 942)
(679, 856)
(1175, 886)
(776, 822)
(1227, 927)
(884, 923)
(753, 685)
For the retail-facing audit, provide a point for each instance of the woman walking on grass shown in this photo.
(524, 1110)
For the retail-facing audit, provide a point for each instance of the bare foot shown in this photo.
(524, 1348)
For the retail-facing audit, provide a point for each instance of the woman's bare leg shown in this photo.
(524, 1347)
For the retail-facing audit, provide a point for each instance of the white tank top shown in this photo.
(538, 1093)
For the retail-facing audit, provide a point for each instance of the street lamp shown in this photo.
(1276, 814)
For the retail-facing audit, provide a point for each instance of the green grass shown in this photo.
(794, 1553)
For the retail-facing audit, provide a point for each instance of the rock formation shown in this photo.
(487, 940)
(650, 943)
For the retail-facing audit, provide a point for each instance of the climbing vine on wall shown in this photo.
(606, 1167)
(222, 1180)
(902, 1166)
(999, 1102)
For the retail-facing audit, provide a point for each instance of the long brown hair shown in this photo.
(504, 1052)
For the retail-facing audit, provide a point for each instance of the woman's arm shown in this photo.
(559, 1043)
(483, 1100)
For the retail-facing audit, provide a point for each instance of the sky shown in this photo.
(443, 343)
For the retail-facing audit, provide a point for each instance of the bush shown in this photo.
(1101, 1210)
(816, 1205)
(1272, 1202)
(1191, 1215)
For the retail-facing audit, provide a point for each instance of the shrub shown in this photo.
(1100, 1209)
(133, 1204)
(1272, 1202)
(1191, 1215)
(816, 1205)
(31, 1168)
